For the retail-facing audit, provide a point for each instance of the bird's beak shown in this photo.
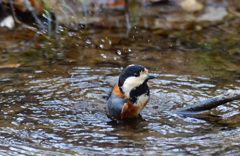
(150, 76)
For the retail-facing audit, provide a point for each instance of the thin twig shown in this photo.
(128, 23)
(14, 13)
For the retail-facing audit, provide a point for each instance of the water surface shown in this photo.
(53, 94)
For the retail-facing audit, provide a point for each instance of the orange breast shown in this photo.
(129, 110)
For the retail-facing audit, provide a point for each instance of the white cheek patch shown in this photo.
(133, 82)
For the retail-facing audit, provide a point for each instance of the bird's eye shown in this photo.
(136, 74)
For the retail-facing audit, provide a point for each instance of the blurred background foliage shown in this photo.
(210, 26)
(165, 14)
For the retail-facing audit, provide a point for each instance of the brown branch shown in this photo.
(208, 104)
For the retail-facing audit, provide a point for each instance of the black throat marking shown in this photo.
(138, 91)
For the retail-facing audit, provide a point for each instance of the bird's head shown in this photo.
(132, 77)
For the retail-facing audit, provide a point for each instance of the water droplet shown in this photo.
(101, 46)
(119, 52)
(103, 55)
(88, 41)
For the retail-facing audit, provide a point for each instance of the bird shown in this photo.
(131, 93)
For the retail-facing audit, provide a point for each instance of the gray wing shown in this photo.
(115, 105)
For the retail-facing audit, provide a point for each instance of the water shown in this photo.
(55, 111)
(53, 94)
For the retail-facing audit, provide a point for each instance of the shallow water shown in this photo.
(53, 111)
(53, 94)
